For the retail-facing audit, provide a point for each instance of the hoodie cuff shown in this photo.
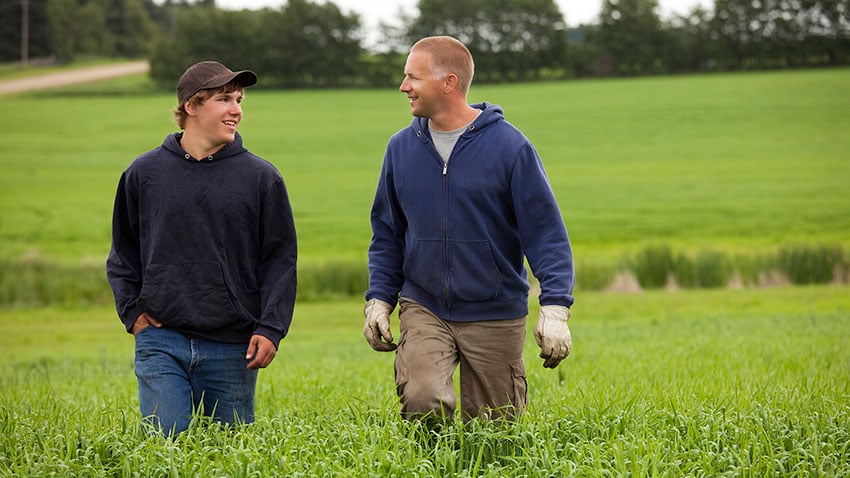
(130, 317)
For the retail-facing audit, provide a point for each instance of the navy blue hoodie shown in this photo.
(454, 239)
(206, 247)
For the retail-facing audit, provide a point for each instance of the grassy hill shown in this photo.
(739, 163)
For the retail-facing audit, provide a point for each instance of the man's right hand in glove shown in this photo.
(377, 326)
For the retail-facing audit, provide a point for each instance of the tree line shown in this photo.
(310, 44)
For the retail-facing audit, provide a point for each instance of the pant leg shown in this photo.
(222, 384)
(492, 371)
(425, 362)
(162, 364)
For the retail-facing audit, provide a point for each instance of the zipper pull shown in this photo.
(445, 167)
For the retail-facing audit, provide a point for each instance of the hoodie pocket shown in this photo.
(425, 266)
(473, 275)
(473, 272)
(187, 294)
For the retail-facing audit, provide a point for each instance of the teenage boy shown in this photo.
(203, 259)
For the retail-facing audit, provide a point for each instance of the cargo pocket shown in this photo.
(399, 367)
(520, 385)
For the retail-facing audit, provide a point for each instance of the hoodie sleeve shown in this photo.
(386, 250)
(542, 231)
(124, 265)
(276, 269)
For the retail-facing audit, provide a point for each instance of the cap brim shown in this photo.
(245, 78)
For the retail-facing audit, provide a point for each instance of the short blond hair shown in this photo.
(448, 55)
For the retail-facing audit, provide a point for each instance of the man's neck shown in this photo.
(454, 118)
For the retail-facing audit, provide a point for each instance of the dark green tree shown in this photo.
(307, 44)
(692, 47)
(77, 28)
(781, 33)
(131, 27)
(301, 45)
(509, 39)
(207, 33)
(38, 47)
(66, 29)
(630, 32)
(829, 32)
(584, 56)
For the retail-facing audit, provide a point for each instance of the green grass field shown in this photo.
(718, 382)
(747, 382)
(738, 161)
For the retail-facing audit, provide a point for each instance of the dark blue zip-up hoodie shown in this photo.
(454, 238)
(206, 247)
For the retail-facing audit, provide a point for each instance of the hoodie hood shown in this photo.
(490, 113)
(172, 144)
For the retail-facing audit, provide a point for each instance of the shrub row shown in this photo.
(659, 266)
(35, 281)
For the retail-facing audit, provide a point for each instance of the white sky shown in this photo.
(372, 11)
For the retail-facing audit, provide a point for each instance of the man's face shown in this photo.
(424, 91)
(218, 117)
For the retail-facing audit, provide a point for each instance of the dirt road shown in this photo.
(71, 77)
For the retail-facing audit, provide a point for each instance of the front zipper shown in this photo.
(446, 287)
(446, 275)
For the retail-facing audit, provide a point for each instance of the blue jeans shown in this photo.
(179, 376)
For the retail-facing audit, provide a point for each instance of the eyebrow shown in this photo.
(238, 94)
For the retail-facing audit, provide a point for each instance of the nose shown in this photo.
(403, 86)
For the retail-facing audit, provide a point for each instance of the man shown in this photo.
(203, 259)
(461, 201)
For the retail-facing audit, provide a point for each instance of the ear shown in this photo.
(450, 83)
(189, 106)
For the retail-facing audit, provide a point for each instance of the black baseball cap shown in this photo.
(206, 75)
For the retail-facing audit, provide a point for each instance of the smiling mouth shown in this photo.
(231, 124)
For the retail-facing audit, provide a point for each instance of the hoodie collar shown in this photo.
(490, 113)
(172, 144)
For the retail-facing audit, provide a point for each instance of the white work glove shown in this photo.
(377, 326)
(553, 334)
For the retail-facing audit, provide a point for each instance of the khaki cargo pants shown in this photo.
(492, 371)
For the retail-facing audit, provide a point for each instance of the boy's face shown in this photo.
(216, 118)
